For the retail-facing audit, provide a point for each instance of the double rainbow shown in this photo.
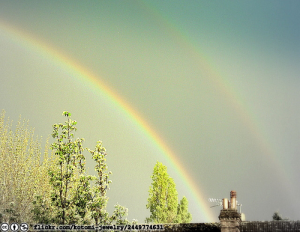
(94, 82)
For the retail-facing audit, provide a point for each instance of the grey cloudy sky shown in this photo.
(218, 82)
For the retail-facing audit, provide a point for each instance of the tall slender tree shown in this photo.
(99, 199)
(70, 184)
(163, 196)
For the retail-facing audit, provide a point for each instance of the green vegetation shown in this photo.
(183, 215)
(73, 200)
(278, 217)
(22, 176)
(55, 188)
(163, 199)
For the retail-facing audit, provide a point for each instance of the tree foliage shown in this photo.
(183, 215)
(163, 199)
(99, 199)
(76, 197)
(277, 217)
(163, 196)
(70, 191)
(22, 174)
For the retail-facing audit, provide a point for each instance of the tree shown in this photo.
(118, 215)
(23, 170)
(99, 199)
(74, 200)
(183, 215)
(163, 196)
(278, 217)
(70, 185)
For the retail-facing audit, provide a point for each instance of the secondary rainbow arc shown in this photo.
(222, 85)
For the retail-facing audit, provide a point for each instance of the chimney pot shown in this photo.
(225, 203)
(233, 200)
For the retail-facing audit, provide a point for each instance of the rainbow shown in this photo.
(93, 82)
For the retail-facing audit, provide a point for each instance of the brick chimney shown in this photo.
(230, 219)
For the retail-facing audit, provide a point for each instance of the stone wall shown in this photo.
(255, 226)
(271, 226)
(202, 227)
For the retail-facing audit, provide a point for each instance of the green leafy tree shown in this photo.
(75, 199)
(69, 194)
(118, 215)
(70, 190)
(23, 170)
(183, 215)
(99, 199)
(163, 196)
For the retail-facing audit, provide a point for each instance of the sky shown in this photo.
(208, 88)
